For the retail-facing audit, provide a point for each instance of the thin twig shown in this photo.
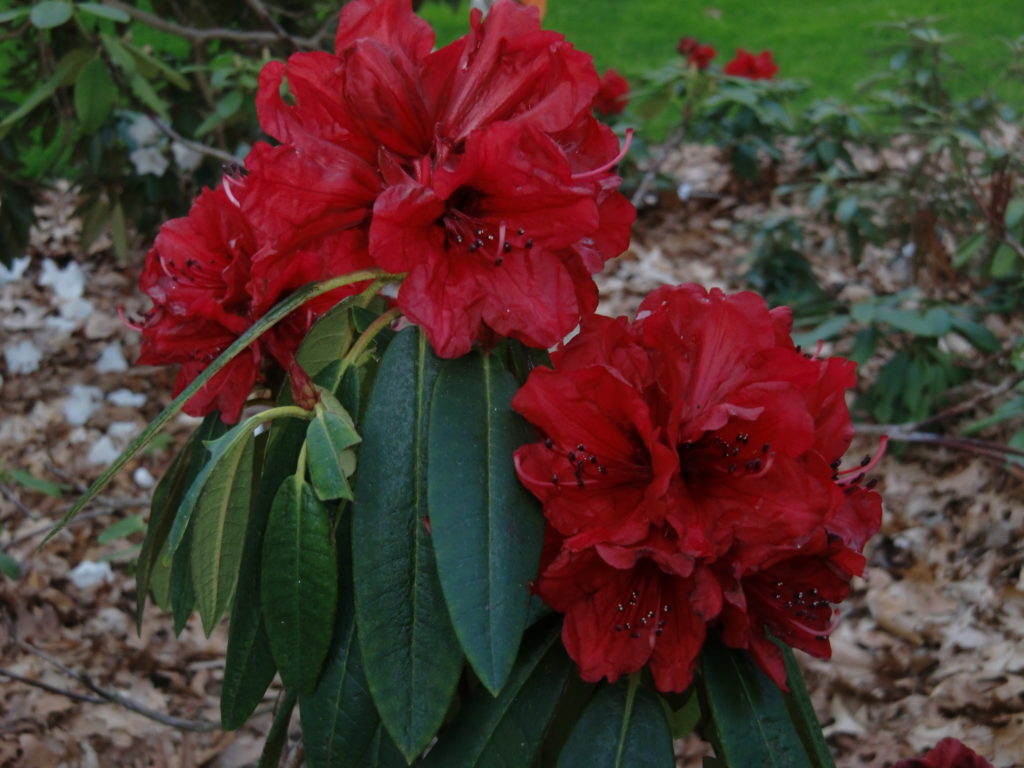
(195, 146)
(201, 35)
(261, 10)
(967, 405)
(83, 697)
(672, 142)
(93, 513)
(200, 726)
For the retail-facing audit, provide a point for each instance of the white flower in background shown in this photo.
(184, 157)
(143, 131)
(88, 574)
(22, 358)
(149, 160)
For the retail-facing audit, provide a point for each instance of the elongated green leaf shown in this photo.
(410, 653)
(278, 736)
(507, 731)
(94, 95)
(166, 498)
(183, 594)
(152, 65)
(50, 13)
(298, 584)
(620, 731)
(338, 718)
(487, 529)
(219, 533)
(108, 12)
(66, 72)
(328, 340)
(751, 726)
(249, 666)
(798, 700)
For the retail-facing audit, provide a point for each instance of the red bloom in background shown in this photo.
(698, 54)
(210, 279)
(613, 95)
(948, 753)
(689, 476)
(477, 168)
(746, 64)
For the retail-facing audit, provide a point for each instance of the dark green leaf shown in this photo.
(153, 66)
(409, 650)
(105, 12)
(827, 330)
(166, 498)
(618, 730)
(751, 727)
(94, 95)
(218, 527)
(278, 736)
(17, 13)
(30, 481)
(487, 529)
(183, 594)
(66, 72)
(338, 718)
(145, 93)
(976, 333)
(328, 340)
(50, 13)
(507, 731)
(298, 583)
(802, 712)
(382, 752)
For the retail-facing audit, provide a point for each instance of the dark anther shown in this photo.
(458, 238)
(866, 460)
(766, 447)
(581, 448)
(871, 483)
(490, 237)
(497, 261)
(835, 464)
(520, 231)
(479, 232)
(474, 246)
(507, 246)
(554, 479)
(618, 627)
(579, 482)
(572, 456)
(592, 459)
(548, 443)
(528, 244)
(732, 468)
(602, 469)
(634, 635)
(849, 491)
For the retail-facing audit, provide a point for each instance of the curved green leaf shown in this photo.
(487, 529)
(338, 718)
(95, 93)
(330, 435)
(66, 72)
(249, 666)
(108, 12)
(183, 594)
(507, 731)
(750, 724)
(410, 653)
(278, 736)
(298, 584)
(617, 730)
(50, 13)
(218, 533)
(328, 339)
(798, 700)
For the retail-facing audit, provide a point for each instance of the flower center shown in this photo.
(735, 457)
(483, 238)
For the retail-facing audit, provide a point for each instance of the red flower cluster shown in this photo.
(478, 169)
(690, 475)
(746, 64)
(697, 54)
(211, 275)
(948, 753)
(613, 94)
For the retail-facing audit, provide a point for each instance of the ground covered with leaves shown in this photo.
(931, 643)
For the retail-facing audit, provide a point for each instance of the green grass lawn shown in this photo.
(833, 44)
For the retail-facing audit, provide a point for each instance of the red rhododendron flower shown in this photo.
(698, 54)
(948, 753)
(477, 168)
(690, 477)
(746, 64)
(210, 278)
(613, 95)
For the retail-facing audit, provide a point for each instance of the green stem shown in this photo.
(264, 324)
(634, 683)
(300, 465)
(366, 337)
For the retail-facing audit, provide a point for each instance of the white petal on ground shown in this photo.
(111, 359)
(122, 432)
(15, 271)
(22, 357)
(68, 282)
(125, 398)
(102, 452)
(81, 403)
(143, 477)
(88, 574)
